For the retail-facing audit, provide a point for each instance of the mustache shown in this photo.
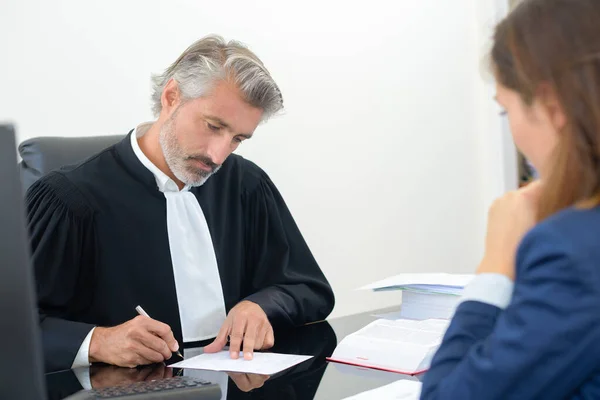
(205, 160)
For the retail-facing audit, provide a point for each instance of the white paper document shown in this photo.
(435, 282)
(399, 390)
(261, 363)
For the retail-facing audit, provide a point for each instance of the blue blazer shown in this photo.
(546, 343)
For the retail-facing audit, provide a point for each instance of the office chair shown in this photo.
(41, 155)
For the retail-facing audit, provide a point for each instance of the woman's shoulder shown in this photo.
(578, 227)
(572, 235)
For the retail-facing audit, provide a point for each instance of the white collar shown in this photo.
(164, 183)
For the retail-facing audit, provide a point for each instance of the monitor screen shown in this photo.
(21, 372)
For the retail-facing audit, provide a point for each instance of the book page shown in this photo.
(428, 332)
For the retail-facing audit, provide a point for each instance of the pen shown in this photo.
(141, 311)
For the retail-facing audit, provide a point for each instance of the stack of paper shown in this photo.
(416, 305)
(399, 390)
(425, 296)
(439, 283)
(401, 346)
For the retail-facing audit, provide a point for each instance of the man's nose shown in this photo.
(220, 149)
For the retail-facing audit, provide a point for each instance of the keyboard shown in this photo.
(177, 387)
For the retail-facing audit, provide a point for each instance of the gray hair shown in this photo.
(211, 59)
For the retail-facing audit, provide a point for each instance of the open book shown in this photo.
(401, 346)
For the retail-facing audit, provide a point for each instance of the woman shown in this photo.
(538, 338)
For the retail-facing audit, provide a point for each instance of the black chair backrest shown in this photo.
(41, 155)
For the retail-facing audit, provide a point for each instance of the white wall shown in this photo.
(380, 155)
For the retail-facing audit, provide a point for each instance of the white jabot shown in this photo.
(197, 281)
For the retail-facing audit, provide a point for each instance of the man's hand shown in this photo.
(139, 341)
(246, 323)
(248, 382)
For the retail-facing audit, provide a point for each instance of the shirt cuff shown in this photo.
(82, 359)
(83, 376)
(493, 289)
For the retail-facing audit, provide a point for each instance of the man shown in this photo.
(142, 224)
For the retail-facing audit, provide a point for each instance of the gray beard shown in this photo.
(175, 158)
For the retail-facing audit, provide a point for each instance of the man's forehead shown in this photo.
(229, 112)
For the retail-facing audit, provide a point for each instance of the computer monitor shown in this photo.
(21, 373)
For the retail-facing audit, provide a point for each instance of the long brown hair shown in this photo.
(557, 43)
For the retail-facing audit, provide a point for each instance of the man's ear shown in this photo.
(171, 96)
(548, 99)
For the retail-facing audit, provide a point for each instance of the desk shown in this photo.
(313, 379)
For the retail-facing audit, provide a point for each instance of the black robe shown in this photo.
(100, 247)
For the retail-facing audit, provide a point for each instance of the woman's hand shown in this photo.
(510, 217)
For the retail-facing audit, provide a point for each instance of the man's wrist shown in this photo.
(95, 345)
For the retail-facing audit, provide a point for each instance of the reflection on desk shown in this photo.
(298, 382)
(313, 379)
